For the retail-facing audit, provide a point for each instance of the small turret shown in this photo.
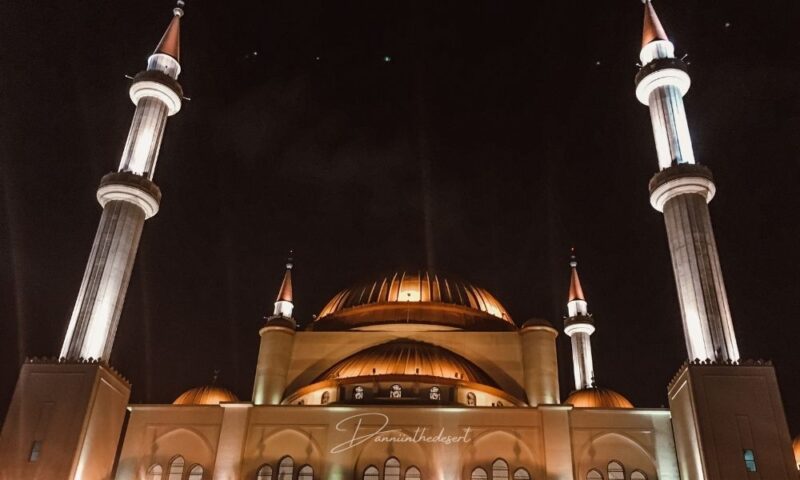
(283, 303)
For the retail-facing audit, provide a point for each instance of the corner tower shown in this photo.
(727, 414)
(66, 414)
(277, 341)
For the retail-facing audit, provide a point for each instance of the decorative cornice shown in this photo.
(78, 361)
(713, 363)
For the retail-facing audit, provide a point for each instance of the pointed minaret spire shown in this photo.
(681, 191)
(283, 304)
(170, 43)
(576, 303)
(579, 326)
(128, 197)
(652, 30)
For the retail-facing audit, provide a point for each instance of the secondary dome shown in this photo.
(206, 395)
(597, 398)
(414, 299)
(408, 357)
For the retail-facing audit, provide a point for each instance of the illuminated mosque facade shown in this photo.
(413, 375)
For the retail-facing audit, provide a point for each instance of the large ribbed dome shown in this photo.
(414, 298)
(408, 357)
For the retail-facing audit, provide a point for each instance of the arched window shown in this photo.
(750, 461)
(638, 475)
(286, 469)
(499, 403)
(154, 472)
(264, 473)
(471, 400)
(371, 473)
(396, 391)
(358, 393)
(435, 394)
(594, 475)
(306, 473)
(521, 474)
(479, 474)
(196, 473)
(413, 473)
(326, 397)
(616, 471)
(391, 470)
(176, 468)
(499, 470)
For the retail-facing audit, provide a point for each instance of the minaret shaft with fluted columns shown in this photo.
(682, 190)
(128, 198)
(579, 326)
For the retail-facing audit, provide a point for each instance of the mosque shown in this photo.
(413, 375)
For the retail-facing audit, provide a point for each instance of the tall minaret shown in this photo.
(682, 190)
(128, 198)
(579, 326)
(277, 342)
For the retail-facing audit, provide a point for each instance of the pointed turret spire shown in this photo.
(652, 30)
(170, 43)
(283, 304)
(576, 304)
(575, 290)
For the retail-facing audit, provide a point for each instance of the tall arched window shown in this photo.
(471, 400)
(479, 474)
(196, 473)
(371, 473)
(154, 472)
(306, 473)
(594, 475)
(499, 470)
(326, 397)
(521, 474)
(391, 470)
(176, 468)
(616, 471)
(638, 475)
(264, 473)
(413, 473)
(286, 469)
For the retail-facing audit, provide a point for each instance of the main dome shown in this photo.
(414, 299)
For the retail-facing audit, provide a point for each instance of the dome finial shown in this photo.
(290, 259)
(178, 10)
(216, 370)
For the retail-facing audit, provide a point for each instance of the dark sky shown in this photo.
(513, 128)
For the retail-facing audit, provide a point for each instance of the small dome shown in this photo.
(408, 357)
(597, 398)
(414, 298)
(206, 395)
(796, 448)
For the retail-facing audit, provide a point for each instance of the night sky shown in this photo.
(481, 138)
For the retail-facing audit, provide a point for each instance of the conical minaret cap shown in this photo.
(653, 30)
(170, 43)
(575, 290)
(285, 293)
